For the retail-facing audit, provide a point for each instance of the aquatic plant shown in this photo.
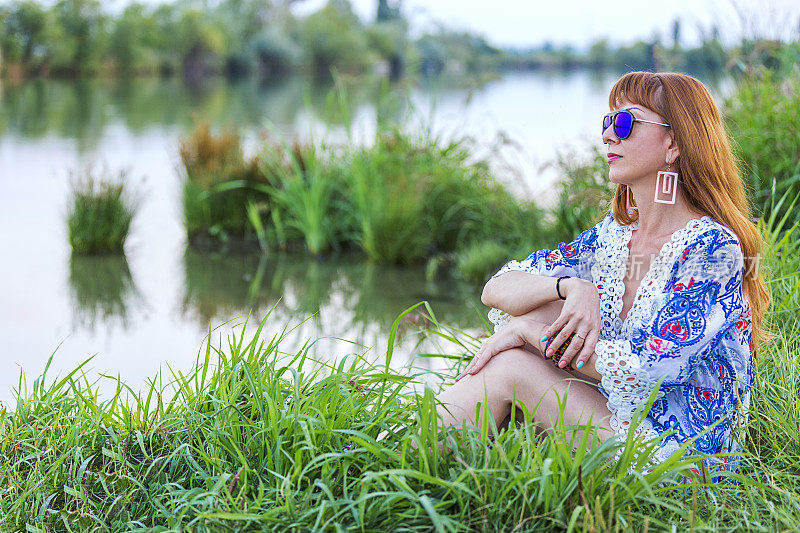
(99, 215)
(480, 259)
(304, 196)
(215, 213)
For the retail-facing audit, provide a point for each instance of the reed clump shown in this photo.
(214, 207)
(99, 215)
(417, 196)
(405, 199)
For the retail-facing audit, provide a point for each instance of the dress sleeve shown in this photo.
(567, 259)
(677, 331)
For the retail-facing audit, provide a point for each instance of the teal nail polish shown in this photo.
(580, 364)
(544, 338)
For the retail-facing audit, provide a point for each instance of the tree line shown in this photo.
(195, 38)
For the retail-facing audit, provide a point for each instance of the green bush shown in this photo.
(386, 193)
(99, 216)
(414, 196)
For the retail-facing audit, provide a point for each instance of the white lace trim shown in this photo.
(498, 318)
(627, 384)
(608, 272)
(624, 379)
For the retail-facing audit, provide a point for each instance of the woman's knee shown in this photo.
(511, 368)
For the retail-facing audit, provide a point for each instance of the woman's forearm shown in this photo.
(517, 293)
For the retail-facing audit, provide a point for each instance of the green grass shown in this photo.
(99, 215)
(762, 120)
(305, 197)
(253, 438)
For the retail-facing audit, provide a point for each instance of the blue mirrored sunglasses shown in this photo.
(623, 123)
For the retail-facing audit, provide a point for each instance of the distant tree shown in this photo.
(676, 34)
(389, 37)
(201, 44)
(24, 35)
(599, 54)
(387, 12)
(334, 36)
(127, 38)
(82, 41)
(639, 55)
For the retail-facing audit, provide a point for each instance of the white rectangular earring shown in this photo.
(666, 187)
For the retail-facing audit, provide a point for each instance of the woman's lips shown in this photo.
(613, 157)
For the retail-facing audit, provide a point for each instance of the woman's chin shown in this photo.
(617, 177)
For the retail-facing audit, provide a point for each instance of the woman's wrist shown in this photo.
(569, 284)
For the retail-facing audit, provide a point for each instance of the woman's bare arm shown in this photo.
(518, 293)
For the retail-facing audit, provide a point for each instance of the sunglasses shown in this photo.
(623, 123)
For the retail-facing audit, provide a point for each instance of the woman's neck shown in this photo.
(657, 219)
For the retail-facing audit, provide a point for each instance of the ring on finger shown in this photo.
(580, 336)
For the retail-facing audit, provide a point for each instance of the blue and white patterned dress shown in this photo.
(689, 324)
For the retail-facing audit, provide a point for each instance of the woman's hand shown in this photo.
(517, 333)
(580, 315)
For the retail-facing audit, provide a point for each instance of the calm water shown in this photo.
(156, 305)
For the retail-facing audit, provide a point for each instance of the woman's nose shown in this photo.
(609, 136)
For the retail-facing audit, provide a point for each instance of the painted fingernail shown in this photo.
(544, 338)
(562, 364)
(580, 364)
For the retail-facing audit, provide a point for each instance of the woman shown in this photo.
(665, 287)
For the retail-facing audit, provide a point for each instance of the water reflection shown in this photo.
(363, 297)
(83, 109)
(102, 290)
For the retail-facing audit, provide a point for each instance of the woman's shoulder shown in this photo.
(710, 231)
(711, 250)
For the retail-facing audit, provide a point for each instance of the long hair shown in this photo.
(709, 171)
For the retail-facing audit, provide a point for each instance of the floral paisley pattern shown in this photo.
(689, 326)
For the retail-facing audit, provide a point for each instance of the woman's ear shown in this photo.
(672, 149)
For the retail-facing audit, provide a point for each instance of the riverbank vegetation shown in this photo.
(405, 198)
(71, 38)
(255, 439)
(99, 215)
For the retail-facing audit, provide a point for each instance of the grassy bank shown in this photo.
(254, 439)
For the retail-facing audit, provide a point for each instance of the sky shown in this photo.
(524, 23)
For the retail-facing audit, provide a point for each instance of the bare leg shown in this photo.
(525, 377)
